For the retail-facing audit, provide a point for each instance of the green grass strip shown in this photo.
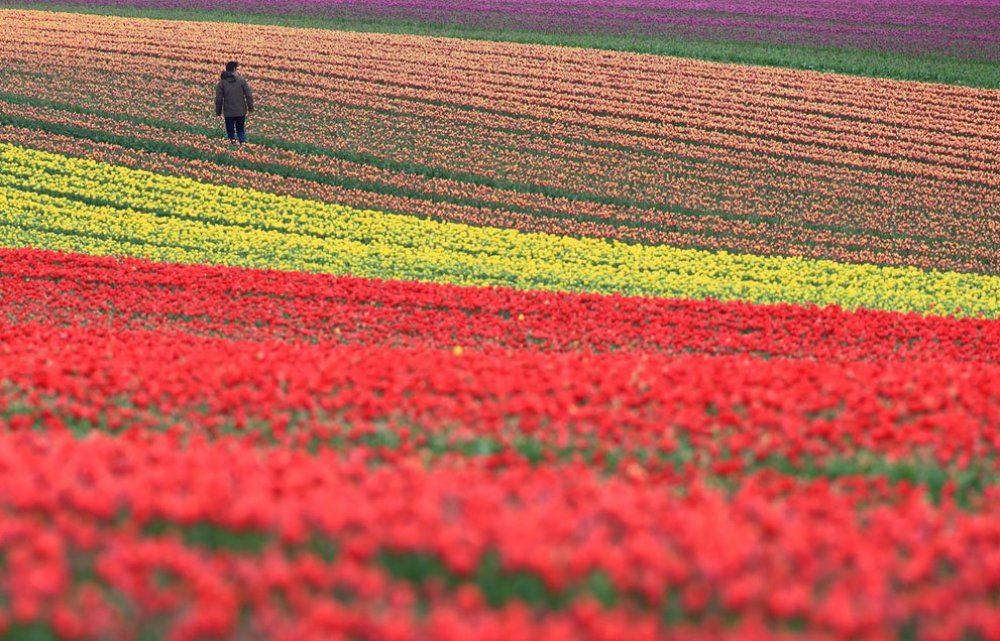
(850, 61)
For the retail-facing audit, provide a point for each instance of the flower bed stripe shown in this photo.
(118, 538)
(720, 414)
(55, 202)
(80, 290)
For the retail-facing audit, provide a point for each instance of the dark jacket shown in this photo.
(233, 96)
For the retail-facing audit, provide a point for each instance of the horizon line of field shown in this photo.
(456, 253)
(505, 84)
(893, 23)
(374, 189)
(826, 59)
(213, 300)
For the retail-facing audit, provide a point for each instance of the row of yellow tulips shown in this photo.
(56, 202)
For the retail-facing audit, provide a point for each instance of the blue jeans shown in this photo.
(236, 126)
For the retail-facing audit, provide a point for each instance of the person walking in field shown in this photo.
(234, 100)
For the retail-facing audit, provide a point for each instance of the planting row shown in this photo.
(150, 536)
(55, 202)
(724, 414)
(127, 294)
(641, 148)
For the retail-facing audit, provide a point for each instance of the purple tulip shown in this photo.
(960, 28)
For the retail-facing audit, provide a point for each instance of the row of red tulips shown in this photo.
(52, 287)
(186, 539)
(637, 412)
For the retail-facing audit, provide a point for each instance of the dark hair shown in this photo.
(231, 65)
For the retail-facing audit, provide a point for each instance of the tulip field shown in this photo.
(495, 340)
